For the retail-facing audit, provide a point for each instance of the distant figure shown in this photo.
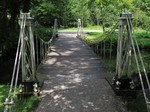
(79, 28)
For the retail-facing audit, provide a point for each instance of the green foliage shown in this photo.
(92, 12)
(3, 94)
(143, 40)
(96, 38)
(43, 32)
(142, 34)
(26, 105)
(102, 12)
(126, 5)
(44, 12)
(144, 44)
(89, 27)
(143, 5)
(93, 38)
(142, 14)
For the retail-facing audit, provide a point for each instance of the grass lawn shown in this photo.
(93, 37)
(85, 28)
(92, 28)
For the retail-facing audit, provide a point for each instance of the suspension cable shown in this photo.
(145, 73)
(137, 62)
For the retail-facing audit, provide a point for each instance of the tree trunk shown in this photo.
(103, 26)
(102, 18)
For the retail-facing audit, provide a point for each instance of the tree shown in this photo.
(43, 12)
(102, 11)
(9, 28)
(142, 14)
(125, 5)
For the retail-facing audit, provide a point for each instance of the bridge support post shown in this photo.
(122, 79)
(28, 65)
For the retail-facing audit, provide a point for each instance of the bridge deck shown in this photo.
(74, 80)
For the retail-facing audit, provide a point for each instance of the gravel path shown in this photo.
(74, 80)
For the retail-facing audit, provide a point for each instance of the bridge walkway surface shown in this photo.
(74, 80)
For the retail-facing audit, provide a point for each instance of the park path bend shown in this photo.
(74, 80)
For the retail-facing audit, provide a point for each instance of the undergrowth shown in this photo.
(43, 32)
(20, 105)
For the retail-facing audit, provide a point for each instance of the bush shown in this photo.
(143, 39)
(43, 32)
(26, 105)
(142, 34)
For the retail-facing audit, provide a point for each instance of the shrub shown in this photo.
(43, 32)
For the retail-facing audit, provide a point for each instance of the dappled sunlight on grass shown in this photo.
(93, 37)
(97, 27)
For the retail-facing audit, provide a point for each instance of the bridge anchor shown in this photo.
(27, 89)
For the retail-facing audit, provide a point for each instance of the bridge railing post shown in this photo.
(80, 28)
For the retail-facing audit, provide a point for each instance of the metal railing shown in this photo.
(27, 58)
(43, 47)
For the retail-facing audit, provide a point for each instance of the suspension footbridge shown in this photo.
(73, 75)
(75, 79)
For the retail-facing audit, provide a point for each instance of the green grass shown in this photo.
(93, 28)
(3, 94)
(90, 27)
(84, 28)
(24, 105)
(93, 37)
(98, 37)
